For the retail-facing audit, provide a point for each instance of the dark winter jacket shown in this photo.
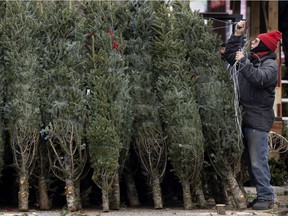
(257, 80)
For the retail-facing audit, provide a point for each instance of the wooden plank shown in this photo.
(254, 19)
(272, 15)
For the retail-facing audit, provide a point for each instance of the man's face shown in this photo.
(255, 43)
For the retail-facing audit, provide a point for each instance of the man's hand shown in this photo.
(240, 28)
(239, 55)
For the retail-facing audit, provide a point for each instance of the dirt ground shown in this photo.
(280, 209)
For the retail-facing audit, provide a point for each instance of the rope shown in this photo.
(227, 23)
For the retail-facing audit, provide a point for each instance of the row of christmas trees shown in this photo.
(96, 78)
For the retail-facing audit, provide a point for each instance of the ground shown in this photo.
(148, 212)
(280, 208)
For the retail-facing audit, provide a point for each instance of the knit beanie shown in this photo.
(271, 39)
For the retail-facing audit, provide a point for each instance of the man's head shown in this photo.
(266, 41)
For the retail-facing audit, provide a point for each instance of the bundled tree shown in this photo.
(64, 104)
(179, 110)
(2, 84)
(109, 119)
(21, 85)
(42, 171)
(220, 118)
(126, 117)
(124, 17)
(149, 138)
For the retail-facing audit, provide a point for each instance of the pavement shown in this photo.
(150, 212)
(280, 209)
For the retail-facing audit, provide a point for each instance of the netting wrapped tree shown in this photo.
(149, 144)
(109, 120)
(219, 115)
(2, 89)
(64, 100)
(178, 110)
(42, 172)
(20, 64)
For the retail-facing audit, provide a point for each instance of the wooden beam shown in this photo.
(254, 21)
(272, 15)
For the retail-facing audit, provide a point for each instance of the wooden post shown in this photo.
(273, 25)
(254, 19)
(272, 15)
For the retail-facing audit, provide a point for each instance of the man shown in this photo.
(256, 75)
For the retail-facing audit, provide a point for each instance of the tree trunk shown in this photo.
(115, 196)
(105, 197)
(132, 193)
(78, 195)
(157, 196)
(200, 197)
(187, 199)
(23, 193)
(238, 196)
(70, 196)
(43, 194)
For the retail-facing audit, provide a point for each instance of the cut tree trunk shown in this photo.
(238, 196)
(132, 193)
(105, 197)
(43, 194)
(200, 197)
(187, 199)
(23, 193)
(157, 194)
(70, 196)
(78, 195)
(115, 196)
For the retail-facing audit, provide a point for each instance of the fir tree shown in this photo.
(109, 119)
(2, 90)
(150, 142)
(215, 97)
(125, 117)
(179, 110)
(124, 18)
(21, 109)
(64, 99)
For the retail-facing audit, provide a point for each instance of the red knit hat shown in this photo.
(271, 39)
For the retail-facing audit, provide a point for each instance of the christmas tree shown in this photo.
(215, 95)
(149, 142)
(2, 69)
(64, 100)
(21, 84)
(108, 121)
(175, 89)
